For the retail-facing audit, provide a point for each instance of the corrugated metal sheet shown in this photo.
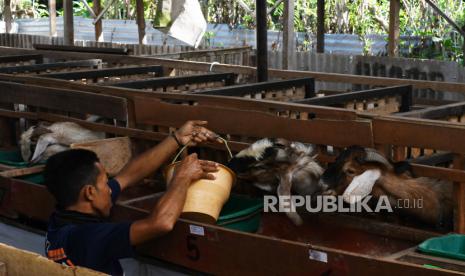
(125, 31)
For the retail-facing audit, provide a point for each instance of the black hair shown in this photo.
(67, 172)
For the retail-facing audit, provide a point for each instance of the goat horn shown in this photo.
(374, 156)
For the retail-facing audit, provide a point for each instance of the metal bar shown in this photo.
(228, 79)
(241, 90)
(16, 58)
(58, 65)
(105, 73)
(404, 91)
(262, 41)
(48, 47)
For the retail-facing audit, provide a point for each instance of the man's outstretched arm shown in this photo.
(142, 166)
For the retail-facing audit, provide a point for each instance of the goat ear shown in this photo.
(42, 145)
(361, 186)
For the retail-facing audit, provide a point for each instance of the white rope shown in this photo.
(213, 64)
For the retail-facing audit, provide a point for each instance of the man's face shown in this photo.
(102, 200)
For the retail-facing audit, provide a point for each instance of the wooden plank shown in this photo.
(227, 78)
(266, 106)
(90, 74)
(459, 196)
(68, 22)
(418, 133)
(242, 90)
(18, 58)
(211, 253)
(64, 100)
(22, 171)
(320, 32)
(250, 71)
(244, 122)
(394, 31)
(91, 63)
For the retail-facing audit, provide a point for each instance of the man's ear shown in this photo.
(89, 192)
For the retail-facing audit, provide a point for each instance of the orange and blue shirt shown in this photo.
(75, 238)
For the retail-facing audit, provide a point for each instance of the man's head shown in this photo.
(79, 182)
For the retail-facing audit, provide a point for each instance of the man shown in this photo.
(78, 232)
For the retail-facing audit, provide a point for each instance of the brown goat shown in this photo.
(398, 185)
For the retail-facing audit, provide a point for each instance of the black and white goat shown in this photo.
(278, 165)
(381, 178)
(43, 141)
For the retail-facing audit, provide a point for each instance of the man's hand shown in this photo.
(194, 132)
(194, 169)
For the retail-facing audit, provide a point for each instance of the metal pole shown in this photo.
(262, 41)
(320, 32)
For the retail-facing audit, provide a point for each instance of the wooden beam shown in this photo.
(68, 22)
(320, 32)
(459, 193)
(98, 24)
(288, 35)
(394, 32)
(262, 41)
(52, 10)
(140, 20)
(7, 16)
(22, 171)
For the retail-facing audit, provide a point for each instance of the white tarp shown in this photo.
(188, 23)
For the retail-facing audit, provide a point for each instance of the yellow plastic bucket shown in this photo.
(205, 198)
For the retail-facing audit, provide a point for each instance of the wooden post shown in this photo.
(394, 33)
(288, 35)
(52, 10)
(98, 25)
(320, 32)
(262, 41)
(140, 20)
(459, 197)
(7, 16)
(68, 22)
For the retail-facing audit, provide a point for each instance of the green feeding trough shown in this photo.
(13, 158)
(241, 213)
(449, 246)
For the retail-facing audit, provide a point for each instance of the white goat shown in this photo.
(49, 140)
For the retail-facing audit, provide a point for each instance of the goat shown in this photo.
(278, 165)
(49, 140)
(392, 180)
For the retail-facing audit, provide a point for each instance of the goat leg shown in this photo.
(284, 190)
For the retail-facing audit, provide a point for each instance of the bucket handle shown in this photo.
(185, 146)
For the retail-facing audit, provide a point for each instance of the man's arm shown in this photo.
(146, 163)
(191, 132)
(169, 207)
